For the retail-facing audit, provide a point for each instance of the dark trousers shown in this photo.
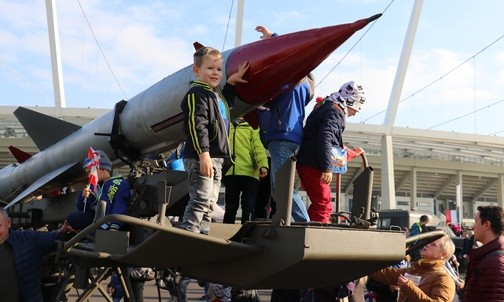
(285, 295)
(247, 187)
(263, 198)
(80, 220)
(138, 289)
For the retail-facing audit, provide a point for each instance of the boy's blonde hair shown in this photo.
(206, 51)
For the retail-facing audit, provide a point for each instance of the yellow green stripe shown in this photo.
(191, 104)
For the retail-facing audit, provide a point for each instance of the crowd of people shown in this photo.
(219, 149)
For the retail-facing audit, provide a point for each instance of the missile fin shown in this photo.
(54, 179)
(19, 154)
(43, 129)
(197, 45)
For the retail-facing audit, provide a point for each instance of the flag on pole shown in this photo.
(451, 216)
(93, 162)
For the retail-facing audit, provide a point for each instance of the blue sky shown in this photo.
(144, 41)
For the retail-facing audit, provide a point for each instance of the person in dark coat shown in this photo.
(485, 272)
(21, 253)
(322, 133)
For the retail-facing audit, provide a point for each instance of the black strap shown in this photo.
(118, 141)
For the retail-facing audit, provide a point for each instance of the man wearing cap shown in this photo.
(114, 190)
(322, 133)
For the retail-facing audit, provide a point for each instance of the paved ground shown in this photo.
(194, 293)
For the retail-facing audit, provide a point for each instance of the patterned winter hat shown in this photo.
(353, 94)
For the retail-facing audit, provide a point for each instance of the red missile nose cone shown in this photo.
(280, 62)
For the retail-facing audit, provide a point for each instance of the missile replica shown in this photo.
(275, 254)
(151, 122)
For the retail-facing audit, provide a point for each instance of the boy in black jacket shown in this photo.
(206, 125)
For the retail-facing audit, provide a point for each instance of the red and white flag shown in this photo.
(94, 165)
(451, 216)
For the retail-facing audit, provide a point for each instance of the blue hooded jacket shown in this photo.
(287, 112)
(116, 193)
